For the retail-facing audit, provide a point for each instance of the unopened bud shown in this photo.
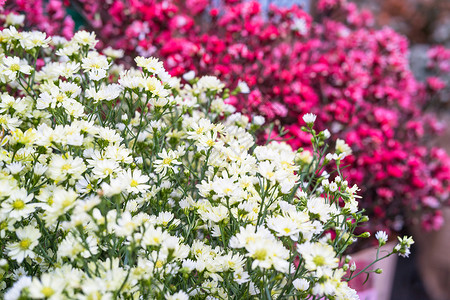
(364, 235)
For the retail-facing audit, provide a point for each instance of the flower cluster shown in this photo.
(122, 184)
(422, 22)
(356, 79)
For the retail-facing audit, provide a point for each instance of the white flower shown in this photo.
(85, 38)
(309, 118)
(382, 237)
(333, 187)
(258, 120)
(209, 83)
(33, 39)
(151, 64)
(284, 227)
(28, 239)
(404, 245)
(153, 85)
(177, 296)
(69, 49)
(113, 53)
(243, 87)
(48, 286)
(134, 181)
(300, 284)
(15, 167)
(241, 277)
(14, 19)
(97, 74)
(168, 161)
(104, 93)
(319, 207)
(318, 256)
(342, 148)
(60, 167)
(95, 61)
(189, 75)
(299, 25)
(13, 65)
(14, 292)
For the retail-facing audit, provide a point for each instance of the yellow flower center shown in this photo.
(15, 67)
(287, 230)
(59, 98)
(134, 183)
(260, 254)
(47, 291)
(158, 264)
(249, 239)
(151, 86)
(319, 260)
(167, 161)
(94, 296)
(18, 204)
(25, 244)
(66, 167)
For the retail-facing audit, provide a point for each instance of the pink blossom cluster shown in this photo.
(354, 77)
(49, 16)
(439, 63)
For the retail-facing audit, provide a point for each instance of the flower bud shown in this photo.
(364, 235)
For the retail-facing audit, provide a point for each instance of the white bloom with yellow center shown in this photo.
(284, 227)
(104, 93)
(95, 61)
(318, 256)
(135, 181)
(85, 38)
(62, 167)
(11, 67)
(28, 239)
(343, 148)
(34, 39)
(113, 53)
(62, 201)
(154, 86)
(48, 286)
(17, 205)
(14, 19)
(151, 64)
(169, 160)
(209, 83)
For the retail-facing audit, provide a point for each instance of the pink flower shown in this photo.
(435, 83)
